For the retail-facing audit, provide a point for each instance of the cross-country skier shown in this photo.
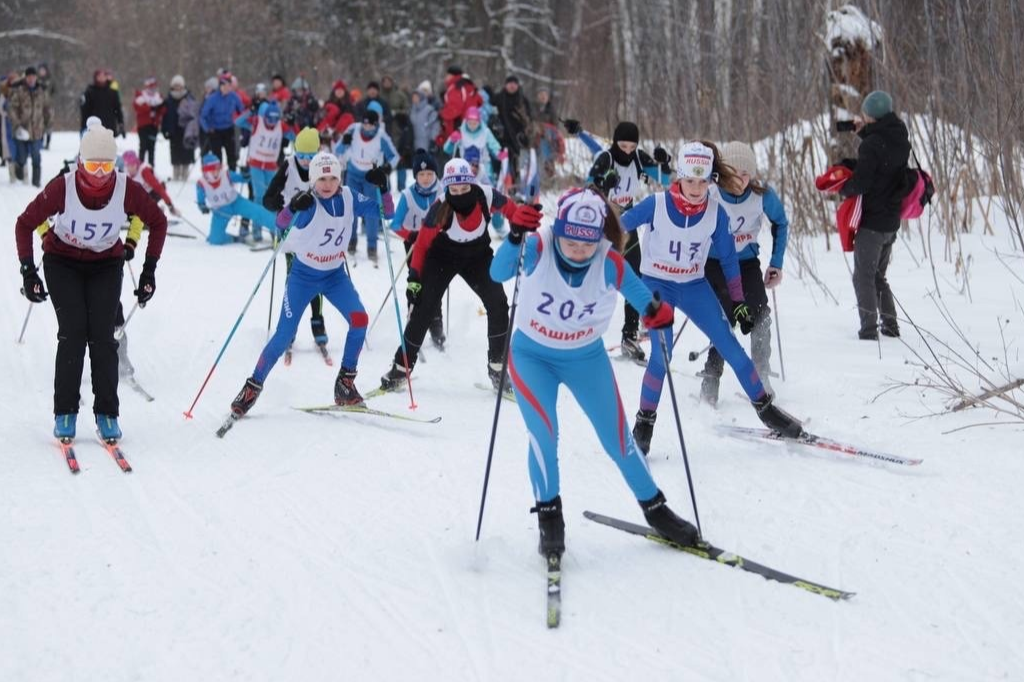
(413, 204)
(483, 177)
(472, 133)
(83, 258)
(321, 220)
(622, 171)
(266, 136)
(364, 146)
(747, 203)
(682, 223)
(216, 193)
(454, 241)
(142, 173)
(570, 278)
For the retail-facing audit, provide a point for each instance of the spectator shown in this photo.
(6, 132)
(301, 110)
(181, 111)
(425, 124)
(879, 176)
(46, 81)
(396, 100)
(149, 112)
(278, 90)
(373, 95)
(547, 138)
(338, 112)
(426, 91)
(31, 115)
(103, 101)
(217, 119)
(460, 94)
(513, 120)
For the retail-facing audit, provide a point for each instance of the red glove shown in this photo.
(525, 219)
(658, 315)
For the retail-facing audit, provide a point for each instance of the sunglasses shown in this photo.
(97, 166)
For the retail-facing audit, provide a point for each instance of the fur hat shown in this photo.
(98, 145)
(740, 156)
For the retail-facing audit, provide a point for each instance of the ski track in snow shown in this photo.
(341, 546)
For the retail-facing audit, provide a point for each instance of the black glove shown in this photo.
(167, 135)
(661, 156)
(572, 126)
(346, 139)
(246, 173)
(301, 201)
(204, 209)
(741, 313)
(378, 177)
(849, 163)
(608, 181)
(129, 249)
(32, 285)
(413, 288)
(147, 282)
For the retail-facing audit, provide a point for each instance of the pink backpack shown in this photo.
(920, 195)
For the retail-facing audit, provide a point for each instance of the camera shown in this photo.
(845, 126)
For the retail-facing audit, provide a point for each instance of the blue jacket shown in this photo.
(219, 111)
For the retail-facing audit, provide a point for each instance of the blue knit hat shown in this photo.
(877, 104)
(471, 154)
(270, 113)
(423, 160)
(581, 215)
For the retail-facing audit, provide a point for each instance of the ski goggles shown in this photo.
(305, 157)
(97, 166)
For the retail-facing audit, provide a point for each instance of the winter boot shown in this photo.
(437, 336)
(394, 379)
(108, 428)
(776, 419)
(709, 390)
(352, 245)
(246, 398)
(668, 525)
(124, 365)
(891, 330)
(319, 330)
(630, 347)
(371, 253)
(64, 426)
(551, 526)
(345, 391)
(643, 429)
(494, 373)
(37, 174)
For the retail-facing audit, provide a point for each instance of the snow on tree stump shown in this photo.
(851, 36)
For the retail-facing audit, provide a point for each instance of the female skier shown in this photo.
(568, 295)
(682, 224)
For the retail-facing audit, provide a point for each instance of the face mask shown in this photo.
(462, 203)
(621, 157)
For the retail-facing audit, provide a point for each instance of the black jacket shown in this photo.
(880, 173)
(104, 103)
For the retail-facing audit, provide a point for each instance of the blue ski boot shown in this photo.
(64, 426)
(107, 427)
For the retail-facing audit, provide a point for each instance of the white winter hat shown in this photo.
(178, 81)
(324, 164)
(458, 172)
(98, 145)
(93, 122)
(426, 88)
(695, 161)
(740, 156)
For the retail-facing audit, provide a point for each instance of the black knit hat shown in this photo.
(626, 131)
(31, 71)
(454, 71)
(423, 160)
(373, 84)
(512, 79)
(370, 116)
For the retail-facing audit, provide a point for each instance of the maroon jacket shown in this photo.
(50, 202)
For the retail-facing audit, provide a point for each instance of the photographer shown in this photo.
(879, 175)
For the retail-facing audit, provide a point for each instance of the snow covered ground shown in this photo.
(308, 547)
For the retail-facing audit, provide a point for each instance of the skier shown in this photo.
(746, 203)
(266, 136)
(454, 241)
(621, 171)
(413, 204)
(473, 134)
(483, 177)
(570, 277)
(143, 174)
(320, 220)
(215, 192)
(682, 224)
(83, 260)
(364, 146)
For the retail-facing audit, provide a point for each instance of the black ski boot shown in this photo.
(668, 525)
(345, 391)
(643, 429)
(776, 419)
(371, 253)
(630, 347)
(246, 398)
(709, 390)
(494, 374)
(319, 330)
(551, 526)
(394, 379)
(437, 336)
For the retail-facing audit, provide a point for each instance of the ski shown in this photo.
(226, 426)
(261, 247)
(363, 409)
(712, 553)
(111, 446)
(67, 449)
(326, 354)
(554, 589)
(753, 433)
(137, 387)
(507, 395)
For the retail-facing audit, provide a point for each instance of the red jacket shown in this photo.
(50, 202)
(282, 95)
(849, 213)
(429, 232)
(459, 96)
(335, 118)
(147, 113)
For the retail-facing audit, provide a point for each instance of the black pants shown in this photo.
(218, 141)
(872, 252)
(410, 300)
(147, 144)
(180, 154)
(757, 300)
(86, 296)
(631, 254)
(471, 262)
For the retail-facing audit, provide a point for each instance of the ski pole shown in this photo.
(680, 333)
(273, 276)
(273, 257)
(447, 311)
(28, 314)
(398, 312)
(778, 334)
(694, 354)
(194, 227)
(119, 334)
(679, 426)
(387, 296)
(501, 385)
